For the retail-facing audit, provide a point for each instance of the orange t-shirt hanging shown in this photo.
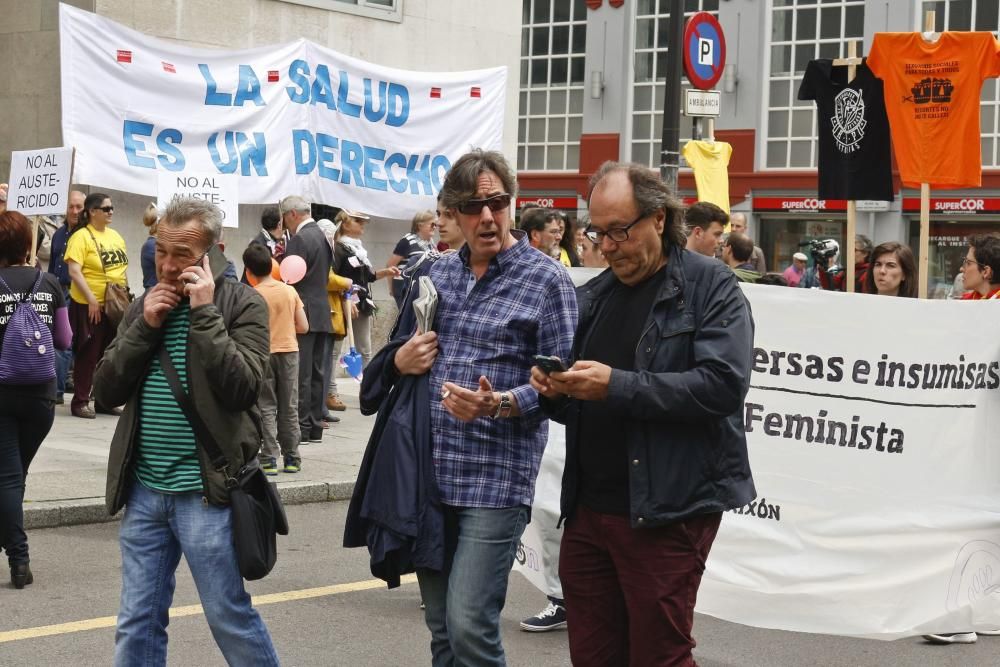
(932, 92)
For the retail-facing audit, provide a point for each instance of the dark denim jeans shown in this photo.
(63, 360)
(24, 423)
(464, 602)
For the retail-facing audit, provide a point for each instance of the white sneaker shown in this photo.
(988, 633)
(955, 638)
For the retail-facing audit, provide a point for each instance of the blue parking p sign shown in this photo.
(704, 50)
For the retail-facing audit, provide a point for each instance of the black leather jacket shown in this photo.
(681, 411)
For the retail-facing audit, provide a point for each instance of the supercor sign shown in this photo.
(547, 202)
(959, 205)
(799, 205)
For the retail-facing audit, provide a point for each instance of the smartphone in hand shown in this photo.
(551, 364)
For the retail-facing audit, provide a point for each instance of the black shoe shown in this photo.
(20, 575)
(315, 435)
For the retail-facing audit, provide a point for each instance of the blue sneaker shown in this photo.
(553, 617)
(269, 465)
(292, 464)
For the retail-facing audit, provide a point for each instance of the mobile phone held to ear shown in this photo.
(550, 364)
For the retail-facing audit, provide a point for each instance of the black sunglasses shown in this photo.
(106, 209)
(475, 206)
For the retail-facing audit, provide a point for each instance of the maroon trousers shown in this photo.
(630, 593)
(89, 343)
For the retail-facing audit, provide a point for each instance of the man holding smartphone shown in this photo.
(214, 332)
(499, 304)
(655, 448)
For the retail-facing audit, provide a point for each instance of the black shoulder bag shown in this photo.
(256, 506)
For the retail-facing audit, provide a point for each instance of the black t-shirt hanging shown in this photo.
(854, 158)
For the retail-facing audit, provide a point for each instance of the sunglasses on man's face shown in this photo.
(106, 209)
(475, 206)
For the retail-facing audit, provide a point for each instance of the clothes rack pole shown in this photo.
(852, 61)
(923, 263)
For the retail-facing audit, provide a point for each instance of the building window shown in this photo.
(550, 104)
(652, 33)
(388, 10)
(975, 15)
(808, 30)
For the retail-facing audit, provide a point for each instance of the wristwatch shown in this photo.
(504, 407)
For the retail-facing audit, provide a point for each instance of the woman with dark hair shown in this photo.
(569, 253)
(892, 271)
(981, 268)
(147, 256)
(95, 256)
(26, 405)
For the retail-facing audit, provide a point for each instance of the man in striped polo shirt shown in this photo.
(216, 334)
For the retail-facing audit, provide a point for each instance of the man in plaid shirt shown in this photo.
(500, 303)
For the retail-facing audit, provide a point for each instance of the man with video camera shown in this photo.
(827, 273)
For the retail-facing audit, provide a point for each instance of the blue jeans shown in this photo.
(63, 359)
(24, 423)
(156, 529)
(463, 602)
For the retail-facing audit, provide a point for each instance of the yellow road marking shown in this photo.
(195, 609)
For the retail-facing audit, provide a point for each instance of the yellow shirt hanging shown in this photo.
(710, 162)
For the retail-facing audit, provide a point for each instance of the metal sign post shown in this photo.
(704, 63)
(670, 137)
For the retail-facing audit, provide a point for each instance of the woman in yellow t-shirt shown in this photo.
(95, 255)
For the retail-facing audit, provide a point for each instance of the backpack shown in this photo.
(27, 356)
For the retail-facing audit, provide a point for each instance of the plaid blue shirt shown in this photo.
(522, 306)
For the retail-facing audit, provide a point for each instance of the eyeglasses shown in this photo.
(967, 261)
(616, 234)
(106, 209)
(475, 206)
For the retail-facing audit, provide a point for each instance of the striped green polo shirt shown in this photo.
(167, 455)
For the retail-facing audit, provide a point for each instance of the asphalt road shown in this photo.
(322, 609)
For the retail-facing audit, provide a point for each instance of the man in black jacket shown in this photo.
(309, 243)
(655, 448)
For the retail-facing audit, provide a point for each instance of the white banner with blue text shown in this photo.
(294, 118)
(872, 429)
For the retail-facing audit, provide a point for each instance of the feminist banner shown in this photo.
(872, 427)
(289, 119)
